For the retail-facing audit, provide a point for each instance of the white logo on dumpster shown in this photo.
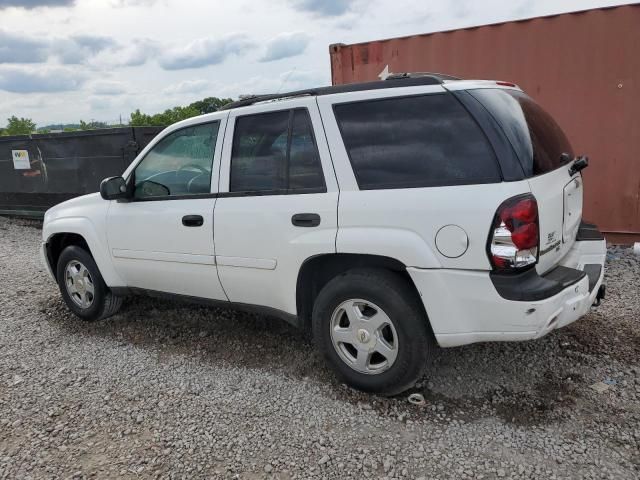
(20, 160)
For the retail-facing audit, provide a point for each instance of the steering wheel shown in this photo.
(200, 168)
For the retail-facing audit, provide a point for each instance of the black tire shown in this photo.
(400, 302)
(104, 303)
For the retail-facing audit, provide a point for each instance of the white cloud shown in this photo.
(138, 52)
(328, 8)
(302, 79)
(100, 102)
(187, 86)
(29, 4)
(286, 45)
(18, 48)
(282, 82)
(133, 53)
(134, 3)
(44, 79)
(109, 87)
(205, 51)
(79, 49)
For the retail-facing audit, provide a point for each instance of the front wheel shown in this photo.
(373, 331)
(82, 286)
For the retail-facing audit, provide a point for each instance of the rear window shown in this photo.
(418, 141)
(538, 140)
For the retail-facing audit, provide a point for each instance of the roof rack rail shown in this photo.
(394, 81)
(441, 76)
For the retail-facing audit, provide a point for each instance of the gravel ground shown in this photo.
(164, 390)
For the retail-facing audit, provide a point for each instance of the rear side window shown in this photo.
(538, 140)
(275, 152)
(305, 171)
(418, 141)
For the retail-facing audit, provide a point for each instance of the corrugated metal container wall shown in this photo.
(64, 165)
(583, 67)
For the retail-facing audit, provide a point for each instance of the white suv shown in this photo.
(384, 217)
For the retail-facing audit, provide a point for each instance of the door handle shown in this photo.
(306, 220)
(192, 220)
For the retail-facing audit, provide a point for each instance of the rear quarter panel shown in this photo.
(403, 223)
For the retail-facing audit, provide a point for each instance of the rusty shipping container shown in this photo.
(583, 67)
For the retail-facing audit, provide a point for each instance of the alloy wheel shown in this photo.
(79, 284)
(364, 336)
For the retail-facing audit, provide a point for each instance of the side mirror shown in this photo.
(149, 188)
(113, 188)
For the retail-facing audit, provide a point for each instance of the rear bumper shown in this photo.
(466, 306)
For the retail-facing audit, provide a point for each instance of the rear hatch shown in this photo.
(545, 155)
(560, 208)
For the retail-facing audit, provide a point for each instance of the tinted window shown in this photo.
(419, 141)
(536, 137)
(259, 154)
(275, 151)
(305, 170)
(180, 164)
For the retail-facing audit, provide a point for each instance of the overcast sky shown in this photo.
(66, 60)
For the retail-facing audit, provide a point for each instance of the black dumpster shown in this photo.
(39, 171)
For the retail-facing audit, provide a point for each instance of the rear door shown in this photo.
(277, 204)
(545, 155)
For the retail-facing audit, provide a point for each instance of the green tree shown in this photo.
(169, 116)
(175, 114)
(210, 104)
(93, 125)
(139, 119)
(19, 126)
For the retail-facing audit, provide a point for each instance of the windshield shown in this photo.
(537, 138)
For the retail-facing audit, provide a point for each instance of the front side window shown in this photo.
(275, 152)
(418, 141)
(180, 164)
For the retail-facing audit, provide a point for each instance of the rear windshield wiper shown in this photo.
(579, 164)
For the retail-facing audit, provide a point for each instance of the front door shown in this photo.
(277, 204)
(162, 239)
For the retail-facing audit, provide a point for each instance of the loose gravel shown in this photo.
(165, 390)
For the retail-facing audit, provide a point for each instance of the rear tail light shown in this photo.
(515, 237)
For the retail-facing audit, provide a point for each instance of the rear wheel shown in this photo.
(82, 286)
(373, 331)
